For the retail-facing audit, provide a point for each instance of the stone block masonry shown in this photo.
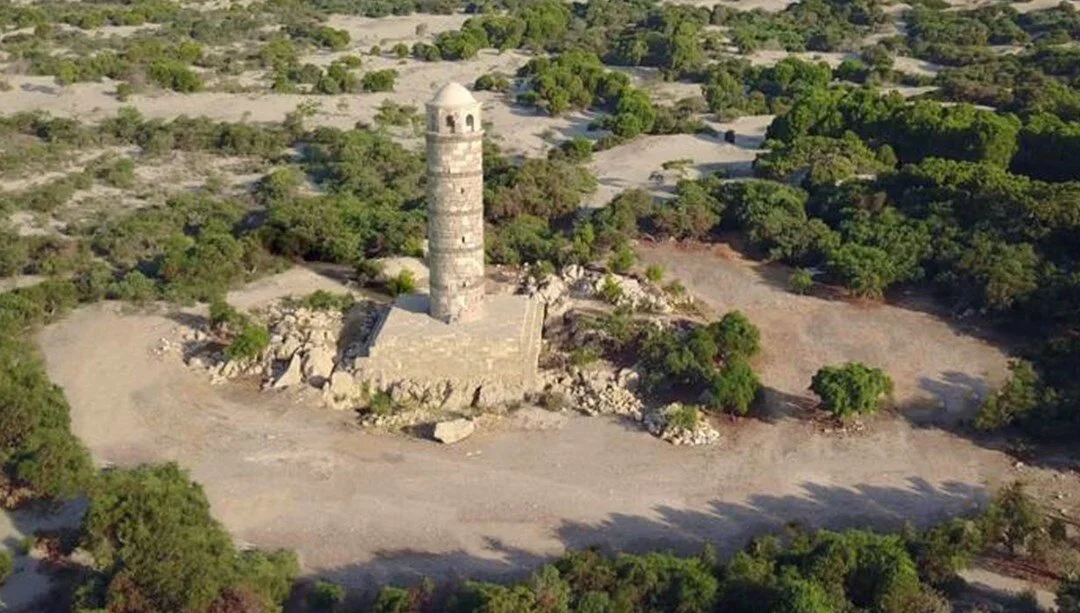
(488, 359)
(455, 347)
(455, 168)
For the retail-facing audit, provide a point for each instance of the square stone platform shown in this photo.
(489, 357)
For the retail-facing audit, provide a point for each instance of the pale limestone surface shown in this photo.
(492, 355)
(455, 167)
(454, 347)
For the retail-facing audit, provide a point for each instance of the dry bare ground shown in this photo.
(281, 472)
(632, 165)
(937, 367)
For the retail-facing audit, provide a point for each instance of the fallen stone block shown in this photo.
(452, 431)
(292, 375)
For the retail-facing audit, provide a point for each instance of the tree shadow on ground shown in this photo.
(726, 525)
(957, 398)
(774, 406)
(28, 588)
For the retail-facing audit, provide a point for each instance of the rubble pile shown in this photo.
(603, 390)
(579, 283)
(659, 423)
(303, 351)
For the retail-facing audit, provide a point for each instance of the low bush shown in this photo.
(851, 389)
(249, 343)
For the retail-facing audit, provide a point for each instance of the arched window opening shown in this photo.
(450, 124)
(470, 123)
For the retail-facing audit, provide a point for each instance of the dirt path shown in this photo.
(282, 473)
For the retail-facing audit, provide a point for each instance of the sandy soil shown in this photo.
(934, 364)
(388, 31)
(524, 131)
(282, 473)
(634, 164)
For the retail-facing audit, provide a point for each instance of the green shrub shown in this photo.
(492, 82)
(392, 600)
(138, 517)
(851, 389)
(684, 418)
(7, 565)
(583, 356)
(14, 255)
(654, 273)
(1021, 395)
(325, 595)
(322, 300)
(249, 344)
(733, 388)
(124, 91)
(134, 287)
(379, 81)
(1068, 595)
(736, 337)
(1015, 520)
(610, 290)
(403, 283)
(174, 75)
(120, 173)
(224, 317)
(622, 260)
(801, 281)
(401, 50)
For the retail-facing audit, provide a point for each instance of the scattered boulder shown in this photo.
(318, 364)
(340, 390)
(578, 283)
(664, 423)
(453, 431)
(292, 375)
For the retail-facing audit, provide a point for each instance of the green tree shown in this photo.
(735, 336)
(1014, 518)
(1068, 595)
(733, 388)
(851, 389)
(150, 532)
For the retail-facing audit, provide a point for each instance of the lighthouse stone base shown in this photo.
(488, 359)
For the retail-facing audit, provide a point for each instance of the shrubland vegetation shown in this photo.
(797, 570)
(874, 191)
(155, 547)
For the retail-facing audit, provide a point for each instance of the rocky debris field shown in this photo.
(602, 389)
(576, 284)
(320, 349)
(308, 347)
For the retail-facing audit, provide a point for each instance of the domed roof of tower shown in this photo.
(453, 94)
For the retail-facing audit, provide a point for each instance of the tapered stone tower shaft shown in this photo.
(455, 169)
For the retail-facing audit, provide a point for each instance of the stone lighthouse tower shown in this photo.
(455, 175)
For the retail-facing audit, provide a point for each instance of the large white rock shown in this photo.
(342, 385)
(292, 375)
(318, 364)
(452, 431)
